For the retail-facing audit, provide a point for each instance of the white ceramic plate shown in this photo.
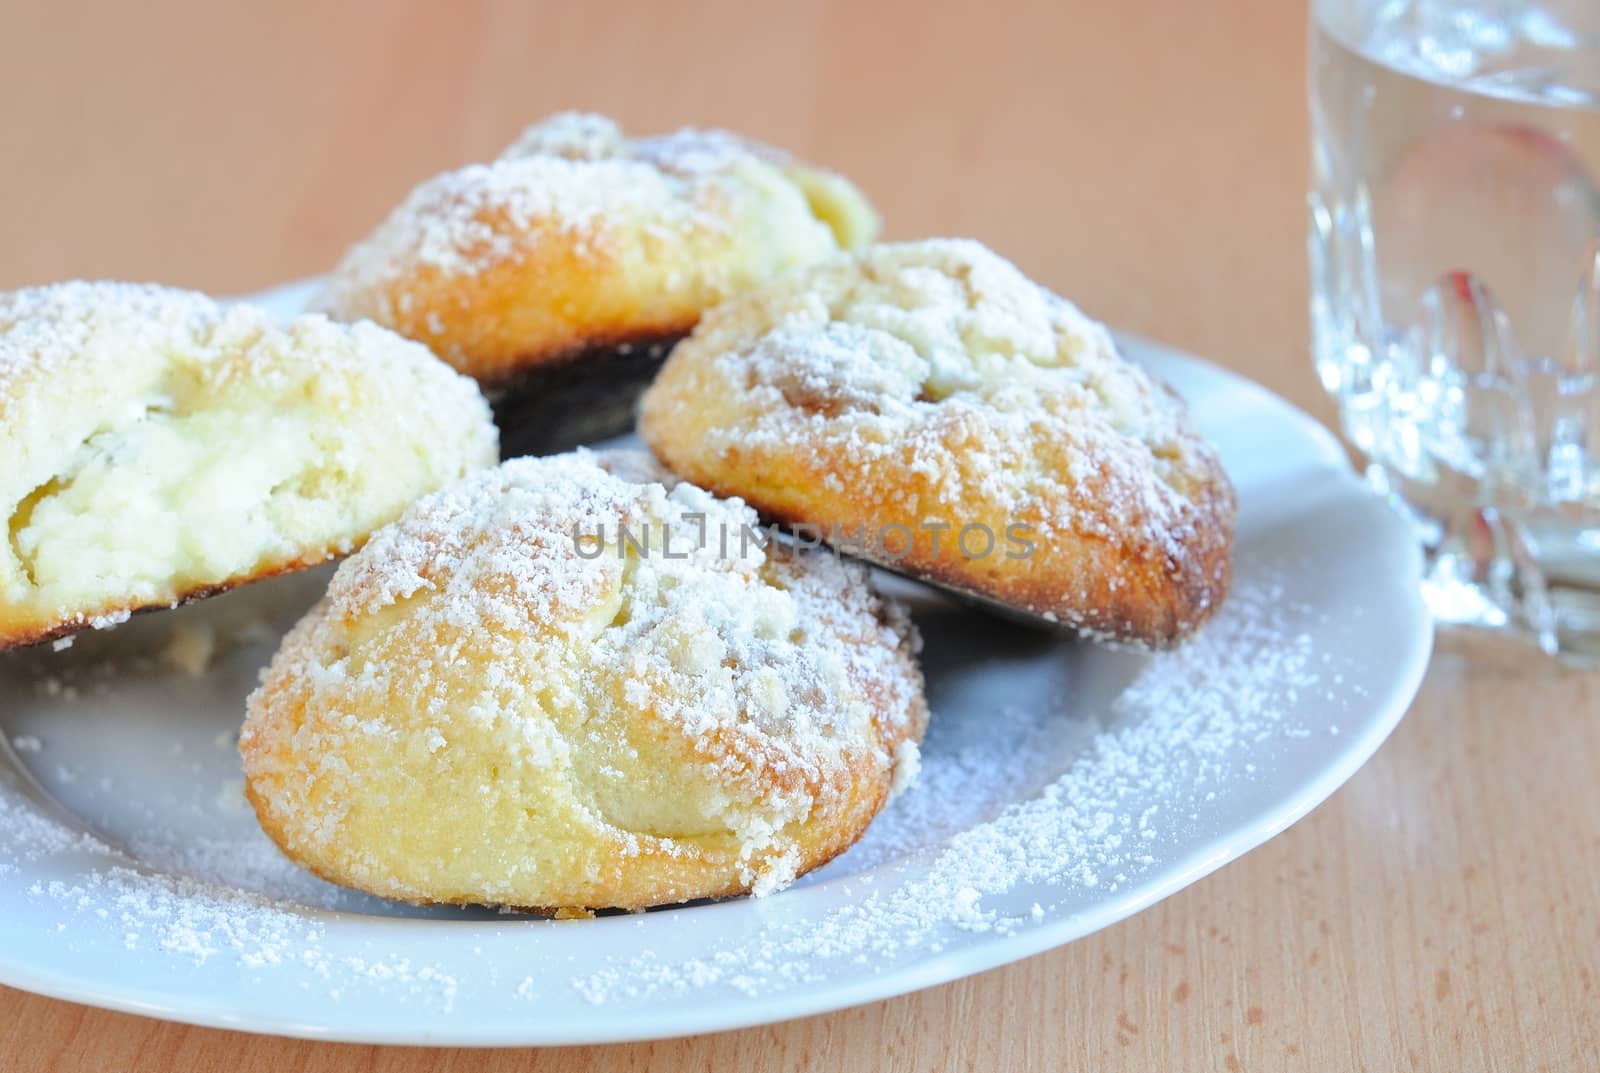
(1064, 787)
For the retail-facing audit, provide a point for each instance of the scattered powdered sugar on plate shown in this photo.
(195, 919)
(1125, 774)
(190, 917)
(964, 781)
(1174, 727)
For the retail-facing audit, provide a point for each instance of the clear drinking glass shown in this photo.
(1455, 274)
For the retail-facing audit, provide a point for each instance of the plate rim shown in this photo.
(1381, 716)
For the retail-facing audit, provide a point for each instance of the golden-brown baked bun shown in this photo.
(581, 255)
(570, 683)
(880, 396)
(158, 446)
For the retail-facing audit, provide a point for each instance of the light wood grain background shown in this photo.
(1442, 912)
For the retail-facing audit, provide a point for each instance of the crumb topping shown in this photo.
(942, 358)
(574, 174)
(513, 600)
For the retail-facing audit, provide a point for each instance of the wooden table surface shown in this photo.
(1441, 912)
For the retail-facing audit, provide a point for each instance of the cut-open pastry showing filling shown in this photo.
(156, 446)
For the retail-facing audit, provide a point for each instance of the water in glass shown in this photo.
(1454, 238)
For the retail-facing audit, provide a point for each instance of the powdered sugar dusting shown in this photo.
(1047, 800)
(92, 323)
(575, 174)
(1177, 725)
(933, 380)
(43, 327)
(777, 690)
(158, 445)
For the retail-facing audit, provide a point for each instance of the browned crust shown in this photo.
(555, 282)
(827, 831)
(1117, 586)
(1120, 590)
(564, 294)
(1123, 589)
(15, 638)
(820, 854)
(869, 797)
